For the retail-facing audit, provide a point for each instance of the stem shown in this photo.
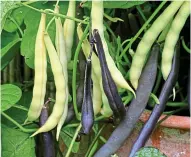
(16, 24)
(57, 2)
(55, 14)
(72, 125)
(21, 107)
(184, 45)
(141, 13)
(143, 27)
(73, 140)
(168, 115)
(17, 124)
(99, 118)
(103, 139)
(177, 104)
(129, 98)
(50, 22)
(74, 71)
(94, 140)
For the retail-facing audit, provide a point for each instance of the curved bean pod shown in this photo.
(96, 73)
(87, 105)
(69, 27)
(97, 23)
(48, 141)
(123, 130)
(148, 40)
(159, 108)
(39, 89)
(172, 38)
(109, 85)
(60, 88)
(60, 47)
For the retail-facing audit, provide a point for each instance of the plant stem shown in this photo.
(50, 22)
(20, 107)
(103, 139)
(141, 13)
(143, 27)
(55, 14)
(75, 69)
(73, 140)
(71, 125)
(184, 45)
(16, 24)
(94, 140)
(177, 104)
(168, 114)
(17, 124)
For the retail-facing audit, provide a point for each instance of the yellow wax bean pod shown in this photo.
(60, 84)
(172, 38)
(40, 78)
(69, 28)
(97, 99)
(148, 39)
(105, 110)
(97, 23)
(61, 51)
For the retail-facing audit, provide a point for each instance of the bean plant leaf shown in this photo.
(9, 52)
(18, 15)
(32, 22)
(5, 8)
(149, 152)
(16, 113)
(67, 134)
(10, 94)
(116, 4)
(8, 37)
(16, 143)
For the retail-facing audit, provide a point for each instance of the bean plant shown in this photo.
(77, 76)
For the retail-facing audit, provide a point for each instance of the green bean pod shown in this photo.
(60, 47)
(97, 23)
(172, 38)
(148, 39)
(60, 84)
(69, 27)
(40, 78)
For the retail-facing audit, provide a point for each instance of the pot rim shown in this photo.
(173, 121)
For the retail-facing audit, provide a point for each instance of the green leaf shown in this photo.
(10, 94)
(67, 134)
(116, 4)
(32, 22)
(18, 15)
(8, 37)
(16, 143)
(6, 7)
(149, 152)
(18, 114)
(9, 52)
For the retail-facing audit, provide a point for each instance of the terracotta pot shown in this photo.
(172, 137)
